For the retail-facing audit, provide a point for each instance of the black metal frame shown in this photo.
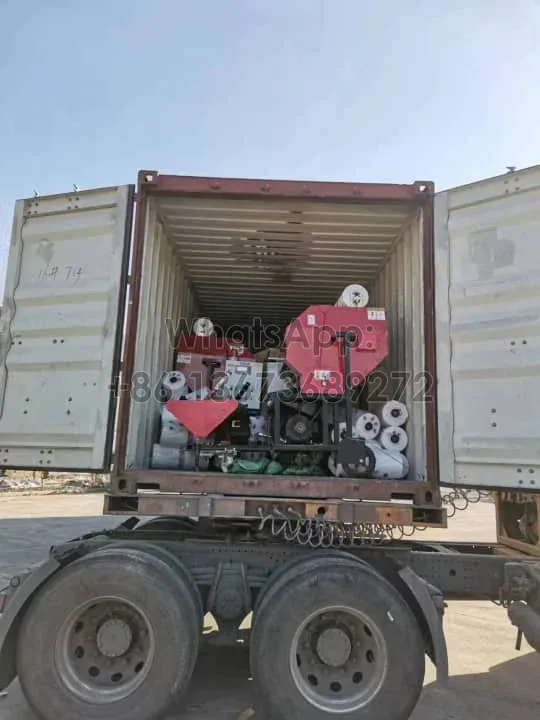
(328, 418)
(329, 405)
(461, 571)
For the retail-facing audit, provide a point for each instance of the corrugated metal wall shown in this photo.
(399, 290)
(488, 311)
(166, 302)
(59, 328)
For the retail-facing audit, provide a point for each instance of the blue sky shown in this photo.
(312, 89)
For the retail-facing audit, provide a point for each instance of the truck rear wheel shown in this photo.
(285, 572)
(113, 635)
(172, 562)
(337, 641)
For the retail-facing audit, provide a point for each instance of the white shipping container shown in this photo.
(233, 256)
(488, 331)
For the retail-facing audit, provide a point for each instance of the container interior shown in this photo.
(235, 259)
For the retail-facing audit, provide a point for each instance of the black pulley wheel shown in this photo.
(357, 459)
(337, 642)
(113, 635)
(299, 429)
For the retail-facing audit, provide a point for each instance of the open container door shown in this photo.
(488, 332)
(61, 329)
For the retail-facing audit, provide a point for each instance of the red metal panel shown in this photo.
(124, 404)
(272, 486)
(201, 417)
(373, 192)
(314, 347)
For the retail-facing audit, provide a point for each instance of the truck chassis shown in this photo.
(112, 604)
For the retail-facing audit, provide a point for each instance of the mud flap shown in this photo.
(10, 619)
(430, 601)
(522, 593)
(527, 620)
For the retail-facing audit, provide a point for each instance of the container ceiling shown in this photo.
(271, 258)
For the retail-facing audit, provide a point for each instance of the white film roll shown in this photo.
(175, 384)
(335, 469)
(366, 425)
(258, 425)
(342, 427)
(394, 414)
(174, 435)
(187, 460)
(394, 438)
(168, 458)
(165, 458)
(203, 327)
(167, 416)
(353, 296)
(389, 464)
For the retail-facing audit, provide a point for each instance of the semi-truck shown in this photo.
(344, 596)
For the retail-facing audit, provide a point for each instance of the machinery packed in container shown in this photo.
(297, 408)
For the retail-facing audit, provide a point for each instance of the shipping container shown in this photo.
(461, 300)
(233, 250)
(110, 624)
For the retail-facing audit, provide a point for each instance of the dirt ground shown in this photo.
(490, 680)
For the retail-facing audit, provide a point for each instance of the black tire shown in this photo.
(132, 579)
(337, 586)
(172, 561)
(304, 563)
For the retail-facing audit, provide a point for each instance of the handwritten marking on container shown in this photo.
(67, 273)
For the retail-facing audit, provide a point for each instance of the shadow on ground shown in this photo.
(221, 690)
(508, 690)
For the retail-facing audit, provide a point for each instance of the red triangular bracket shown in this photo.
(202, 417)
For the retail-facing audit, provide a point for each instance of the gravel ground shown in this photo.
(489, 679)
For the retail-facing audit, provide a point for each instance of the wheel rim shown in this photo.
(338, 659)
(104, 650)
